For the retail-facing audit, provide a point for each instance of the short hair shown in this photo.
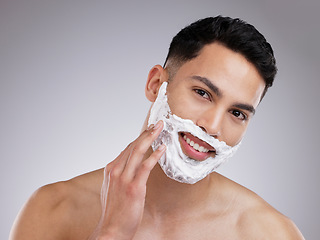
(235, 34)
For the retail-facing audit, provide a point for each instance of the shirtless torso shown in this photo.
(72, 209)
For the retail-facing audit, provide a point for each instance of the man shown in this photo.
(217, 71)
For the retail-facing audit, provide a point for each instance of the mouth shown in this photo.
(195, 148)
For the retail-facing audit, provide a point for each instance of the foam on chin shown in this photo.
(174, 162)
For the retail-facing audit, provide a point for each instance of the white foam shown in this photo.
(174, 162)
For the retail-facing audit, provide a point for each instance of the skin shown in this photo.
(138, 201)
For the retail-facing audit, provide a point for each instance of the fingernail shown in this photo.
(150, 126)
(157, 125)
(161, 147)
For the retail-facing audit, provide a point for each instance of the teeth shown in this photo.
(195, 145)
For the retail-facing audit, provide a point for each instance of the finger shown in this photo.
(112, 172)
(140, 148)
(114, 169)
(116, 161)
(121, 161)
(146, 166)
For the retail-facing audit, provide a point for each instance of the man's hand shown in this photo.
(124, 187)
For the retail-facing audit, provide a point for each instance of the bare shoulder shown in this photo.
(259, 220)
(56, 208)
(263, 221)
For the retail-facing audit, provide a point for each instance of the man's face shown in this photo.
(219, 91)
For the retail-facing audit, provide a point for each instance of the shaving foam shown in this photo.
(174, 162)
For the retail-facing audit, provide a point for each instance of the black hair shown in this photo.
(235, 34)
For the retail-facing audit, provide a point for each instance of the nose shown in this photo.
(211, 121)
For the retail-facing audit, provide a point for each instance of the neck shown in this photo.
(166, 197)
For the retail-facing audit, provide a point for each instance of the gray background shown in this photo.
(72, 94)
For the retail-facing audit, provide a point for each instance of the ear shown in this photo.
(156, 77)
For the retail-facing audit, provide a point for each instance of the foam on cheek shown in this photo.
(174, 162)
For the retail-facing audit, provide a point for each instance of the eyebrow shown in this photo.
(246, 107)
(209, 84)
(217, 91)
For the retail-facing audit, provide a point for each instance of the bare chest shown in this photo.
(224, 228)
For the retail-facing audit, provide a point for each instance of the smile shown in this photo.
(195, 148)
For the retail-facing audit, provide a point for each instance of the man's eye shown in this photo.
(202, 93)
(239, 115)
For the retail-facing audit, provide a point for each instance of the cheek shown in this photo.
(233, 133)
(176, 101)
(185, 108)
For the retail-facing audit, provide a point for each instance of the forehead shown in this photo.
(230, 71)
